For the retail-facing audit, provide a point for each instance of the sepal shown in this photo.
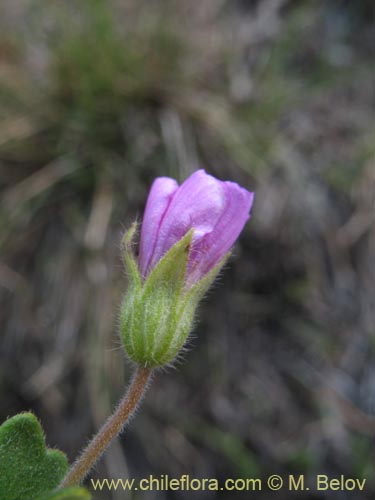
(151, 311)
(157, 313)
(128, 256)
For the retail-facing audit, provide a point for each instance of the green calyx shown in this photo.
(157, 313)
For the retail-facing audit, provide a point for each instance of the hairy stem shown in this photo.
(110, 429)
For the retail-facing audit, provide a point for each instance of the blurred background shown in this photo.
(97, 98)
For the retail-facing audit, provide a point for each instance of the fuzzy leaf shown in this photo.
(28, 470)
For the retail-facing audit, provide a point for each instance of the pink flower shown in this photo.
(186, 235)
(216, 210)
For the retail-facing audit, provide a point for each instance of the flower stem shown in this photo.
(110, 429)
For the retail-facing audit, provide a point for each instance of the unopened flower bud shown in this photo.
(186, 237)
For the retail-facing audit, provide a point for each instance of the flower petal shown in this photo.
(198, 203)
(216, 210)
(159, 198)
(214, 245)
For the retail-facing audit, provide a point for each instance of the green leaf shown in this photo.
(28, 469)
(72, 493)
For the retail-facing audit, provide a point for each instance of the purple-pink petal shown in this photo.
(158, 200)
(198, 203)
(213, 246)
(216, 210)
